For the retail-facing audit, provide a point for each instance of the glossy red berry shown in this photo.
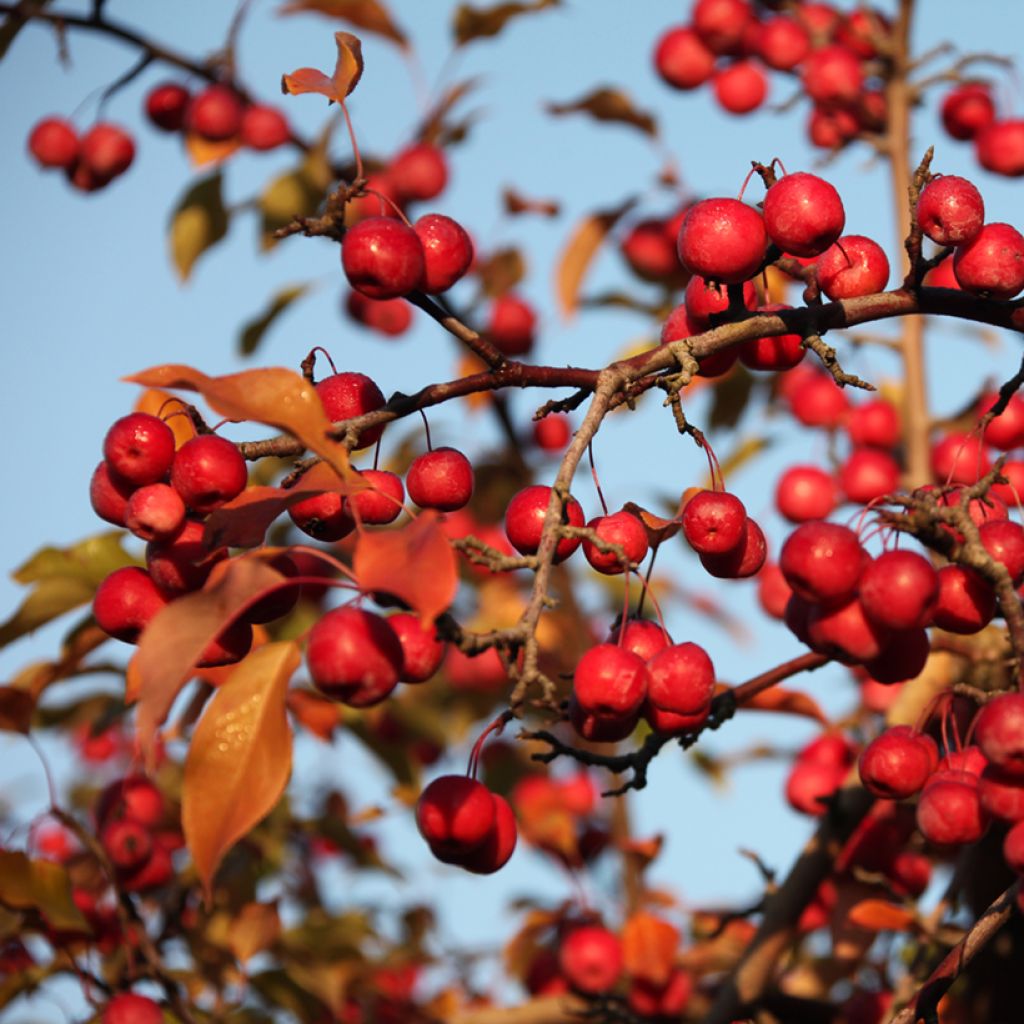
(126, 602)
(804, 493)
(773, 352)
(742, 561)
(904, 656)
(418, 172)
(897, 763)
(208, 471)
(610, 682)
(713, 522)
(959, 458)
(127, 843)
(524, 521)
(867, 474)
(661, 1001)
(622, 528)
(354, 656)
(455, 814)
(1005, 431)
(215, 114)
(441, 479)
(1004, 541)
(949, 810)
(681, 679)
(831, 127)
(53, 142)
(722, 240)
(155, 512)
(264, 128)
(381, 502)
(721, 23)
(967, 110)
(498, 846)
(702, 300)
(349, 394)
(874, 423)
(899, 589)
(999, 732)
(422, 652)
(822, 561)
(740, 87)
(323, 517)
(109, 494)
(803, 214)
(166, 106)
(641, 636)
(844, 632)
(650, 251)
(773, 592)
(854, 266)
(106, 150)
(814, 398)
(591, 959)
(139, 449)
(382, 258)
(134, 797)
(447, 251)
(992, 263)
(833, 75)
(512, 325)
(1000, 148)
(1002, 793)
(682, 59)
(966, 601)
(950, 210)
(128, 1008)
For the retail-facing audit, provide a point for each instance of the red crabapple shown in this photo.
(803, 214)
(129, 1008)
(682, 59)
(622, 528)
(899, 589)
(378, 504)
(418, 172)
(967, 110)
(822, 561)
(511, 325)
(740, 87)
(53, 142)
(139, 448)
(591, 958)
(422, 652)
(208, 471)
(126, 602)
(155, 512)
(109, 494)
(833, 75)
(264, 128)
(215, 113)
(950, 210)
(182, 563)
(966, 601)
(782, 43)
(867, 474)
(106, 151)
(455, 814)
(441, 479)
(722, 240)
(854, 266)
(382, 258)
(804, 493)
(447, 251)
(166, 106)
(742, 561)
(992, 262)
(721, 23)
(349, 394)
(392, 317)
(1000, 147)
(524, 521)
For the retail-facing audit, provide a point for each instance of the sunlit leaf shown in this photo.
(171, 409)
(40, 885)
(347, 72)
(273, 395)
(252, 332)
(240, 757)
(414, 563)
(173, 643)
(482, 22)
(199, 221)
(315, 713)
(881, 916)
(608, 105)
(369, 15)
(649, 945)
(204, 152)
(256, 928)
(789, 702)
(579, 252)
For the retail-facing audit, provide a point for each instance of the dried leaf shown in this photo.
(501, 271)
(658, 530)
(16, 707)
(483, 22)
(649, 946)
(369, 15)
(608, 105)
(252, 332)
(41, 885)
(414, 563)
(516, 204)
(256, 928)
(881, 916)
(579, 252)
(347, 72)
(434, 126)
(240, 757)
(199, 221)
(173, 643)
(790, 702)
(273, 395)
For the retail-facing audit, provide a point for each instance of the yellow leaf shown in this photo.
(42, 885)
(256, 928)
(580, 251)
(240, 758)
(203, 152)
(199, 221)
(273, 395)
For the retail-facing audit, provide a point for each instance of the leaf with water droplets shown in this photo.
(240, 758)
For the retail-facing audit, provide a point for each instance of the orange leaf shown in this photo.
(649, 946)
(315, 713)
(881, 916)
(174, 641)
(414, 563)
(207, 151)
(220, 674)
(658, 529)
(370, 15)
(347, 72)
(163, 404)
(790, 702)
(579, 252)
(240, 757)
(272, 395)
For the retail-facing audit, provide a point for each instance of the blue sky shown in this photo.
(89, 296)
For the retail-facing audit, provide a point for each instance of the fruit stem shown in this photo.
(352, 138)
(496, 727)
(426, 428)
(593, 473)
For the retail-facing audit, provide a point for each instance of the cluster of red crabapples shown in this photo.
(840, 59)
(215, 114)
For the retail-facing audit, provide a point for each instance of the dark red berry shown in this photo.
(524, 521)
(441, 479)
(382, 258)
(208, 471)
(447, 251)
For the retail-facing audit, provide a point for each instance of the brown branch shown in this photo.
(545, 1010)
(924, 1005)
(477, 344)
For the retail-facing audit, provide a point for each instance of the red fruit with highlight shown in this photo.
(959, 459)
(622, 528)
(500, 843)
(441, 479)
(354, 656)
(967, 110)
(999, 732)
(381, 502)
(455, 814)
(897, 763)
(950, 210)
(591, 959)
(552, 433)
(53, 142)
(702, 300)
(869, 473)
(641, 636)
(713, 522)
(966, 601)
(992, 262)
(822, 562)
(742, 561)
(681, 679)
(899, 589)
(109, 495)
(874, 423)
(392, 317)
(949, 810)
(1004, 541)
(610, 682)
(804, 493)
(854, 266)
(803, 214)
(524, 521)
(126, 602)
(723, 240)
(447, 251)
(128, 1008)
(512, 325)
(422, 652)
(106, 151)
(773, 352)
(382, 258)
(128, 844)
(134, 798)
(1005, 431)
(1000, 148)
(833, 75)
(155, 512)
(208, 471)
(323, 517)
(139, 449)
(419, 172)
(349, 394)
(782, 43)
(740, 87)
(651, 252)
(814, 398)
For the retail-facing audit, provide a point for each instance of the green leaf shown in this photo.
(90, 560)
(199, 221)
(253, 331)
(40, 885)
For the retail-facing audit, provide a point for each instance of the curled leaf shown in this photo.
(608, 105)
(369, 15)
(240, 757)
(579, 252)
(658, 530)
(347, 72)
(482, 22)
(516, 204)
(414, 563)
